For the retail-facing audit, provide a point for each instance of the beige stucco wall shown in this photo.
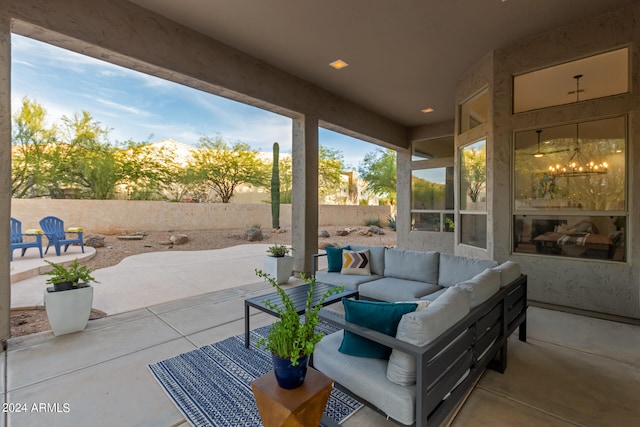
(120, 216)
(596, 285)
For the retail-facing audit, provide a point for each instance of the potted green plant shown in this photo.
(68, 302)
(292, 338)
(279, 264)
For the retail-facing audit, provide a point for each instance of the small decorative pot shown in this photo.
(68, 311)
(289, 376)
(279, 267)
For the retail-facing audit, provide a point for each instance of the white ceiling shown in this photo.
(403, 55)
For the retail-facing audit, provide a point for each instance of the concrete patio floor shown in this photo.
(573, 370)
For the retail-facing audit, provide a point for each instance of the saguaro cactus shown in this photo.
(275, 188)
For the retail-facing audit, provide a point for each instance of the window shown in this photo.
(474, 112)
(432, 199)
(600, 75)
(438, 148)
(570, 190)
(432, 188)
(473, 194)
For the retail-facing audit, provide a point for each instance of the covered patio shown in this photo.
(580, 366)
(573, 370)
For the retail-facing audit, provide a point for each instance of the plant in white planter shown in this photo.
(279, 264)
(68, 302)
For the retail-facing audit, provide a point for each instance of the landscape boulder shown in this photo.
(179, 239)
(253, 235)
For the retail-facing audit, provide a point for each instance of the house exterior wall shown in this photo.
(600, 286)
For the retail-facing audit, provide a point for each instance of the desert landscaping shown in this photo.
(24, 322)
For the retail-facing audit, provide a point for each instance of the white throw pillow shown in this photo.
(356, 262)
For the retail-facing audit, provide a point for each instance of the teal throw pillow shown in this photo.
(380, 316)
(334, 258)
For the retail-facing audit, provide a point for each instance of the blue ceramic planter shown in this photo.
(288, 376)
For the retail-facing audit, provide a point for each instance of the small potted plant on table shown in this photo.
(292, 339)
(68, 302)
(279, 264)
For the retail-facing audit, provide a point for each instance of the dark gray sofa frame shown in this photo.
(484, 331)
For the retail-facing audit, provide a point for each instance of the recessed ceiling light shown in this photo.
(339, 64)
(427, 110)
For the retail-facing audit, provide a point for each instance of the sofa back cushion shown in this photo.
(377, 257)
(509, 271)
(424, 326)
(411, 265)
(455, 269)
(481, 287)
(379, 316)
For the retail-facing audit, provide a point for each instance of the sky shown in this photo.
(136, 106)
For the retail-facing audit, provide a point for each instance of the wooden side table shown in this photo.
(300, 407)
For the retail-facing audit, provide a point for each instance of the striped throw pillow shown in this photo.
(356, 262)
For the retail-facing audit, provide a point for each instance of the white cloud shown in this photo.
(120, 107)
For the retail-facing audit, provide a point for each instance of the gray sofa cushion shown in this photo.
(377, 257)
(432, 296)
(481, 287)
(366, 378)
(392, 289)
(424, 326)
(509, 271)
(411, 265)
(455, 269)
(348, 281)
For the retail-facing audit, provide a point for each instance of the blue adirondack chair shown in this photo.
(53, 228)
(17, 241)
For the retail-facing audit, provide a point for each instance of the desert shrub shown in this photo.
(372, 221)
(391, 221)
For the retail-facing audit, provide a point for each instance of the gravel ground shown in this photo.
(116, 250)
(24, 322)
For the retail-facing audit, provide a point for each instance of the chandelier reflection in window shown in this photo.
(578, 164)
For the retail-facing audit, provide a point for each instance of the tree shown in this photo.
(378, 169)
(31, 142)
(223, 166)
(474, 170)
(88, 161)
(329, 170)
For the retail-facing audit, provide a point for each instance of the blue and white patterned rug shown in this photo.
(212, 385)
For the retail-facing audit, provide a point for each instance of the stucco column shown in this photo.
(304, 198)
(5, 177)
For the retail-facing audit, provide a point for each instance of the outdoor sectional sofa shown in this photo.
(439, 351)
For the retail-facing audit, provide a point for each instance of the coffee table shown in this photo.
(298, 295)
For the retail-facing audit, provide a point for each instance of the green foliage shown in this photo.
(372, 221)
(75, 273)
(279, 250)
(222, 166)
(391, 220)
(427, 195)
(31, 141)
(290, 338)
(378, 169)
(329, 170)
(275, 187)
(474, 169)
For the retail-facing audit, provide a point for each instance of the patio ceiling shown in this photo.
(403, 56)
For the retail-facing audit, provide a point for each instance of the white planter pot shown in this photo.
(279, 267)
(68, 311)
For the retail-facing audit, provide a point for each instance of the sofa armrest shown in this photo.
(314, 263)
